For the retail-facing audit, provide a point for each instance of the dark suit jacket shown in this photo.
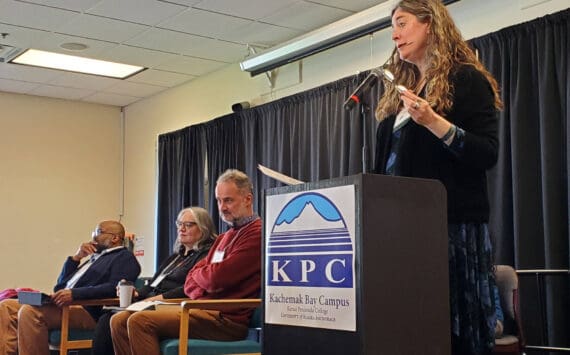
(102, 277)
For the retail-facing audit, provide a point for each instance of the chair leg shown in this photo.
(64, 330)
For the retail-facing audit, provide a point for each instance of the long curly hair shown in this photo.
(446, 51)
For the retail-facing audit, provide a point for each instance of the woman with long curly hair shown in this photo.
(444, 127)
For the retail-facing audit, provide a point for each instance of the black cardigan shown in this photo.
(172, 286)
(462, 166)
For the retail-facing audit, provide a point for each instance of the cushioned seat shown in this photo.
(210, 347)
(252, 344)
(74, 334)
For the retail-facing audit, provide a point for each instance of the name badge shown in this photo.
(401, 120)
(218, 256)
(158, 280)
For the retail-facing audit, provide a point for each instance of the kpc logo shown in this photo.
(310, 245)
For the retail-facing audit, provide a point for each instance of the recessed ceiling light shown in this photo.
(77, 64)
(73, 46)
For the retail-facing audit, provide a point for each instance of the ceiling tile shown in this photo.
(91, 82)
(306, 16)
(352, 5)
(21, 87)
(183, 2)
(164, 40)
(262, 34)
(21, 37)
(219, 50)
(190, 65)
(90, 26)
(34, 16)
(148, 12)
(60, 92)
(136, 56)
(75, 5)
(53, 43)
(204, 23)
(250, 9)
(111, 99)
(196, 46)
(134, 89)
(27, 73)
(161, 78)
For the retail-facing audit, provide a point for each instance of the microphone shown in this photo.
(362, 89)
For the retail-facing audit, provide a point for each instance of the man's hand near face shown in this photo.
(84, 250)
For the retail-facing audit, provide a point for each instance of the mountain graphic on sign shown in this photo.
(309, 209)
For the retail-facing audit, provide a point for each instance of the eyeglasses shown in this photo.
(187, 225)
(98, 232)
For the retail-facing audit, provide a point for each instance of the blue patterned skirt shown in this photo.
(470, 286)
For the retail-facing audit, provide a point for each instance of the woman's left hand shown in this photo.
(418, 108)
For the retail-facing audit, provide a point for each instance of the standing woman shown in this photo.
(444, 127)
(196, 234)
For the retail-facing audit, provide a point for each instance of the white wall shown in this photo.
(58, 177)
(212, 96)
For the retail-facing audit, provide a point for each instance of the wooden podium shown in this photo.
(400, 272)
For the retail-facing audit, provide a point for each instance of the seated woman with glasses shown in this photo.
(196, 234)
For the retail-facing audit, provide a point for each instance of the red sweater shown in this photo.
(236, 275)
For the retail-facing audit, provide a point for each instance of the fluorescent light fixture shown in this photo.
(77, 64)
(352, 27)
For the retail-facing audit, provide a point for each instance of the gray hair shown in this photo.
(239, 178)
(204, 223)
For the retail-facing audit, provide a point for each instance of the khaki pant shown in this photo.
(140, 332)
(24, 328)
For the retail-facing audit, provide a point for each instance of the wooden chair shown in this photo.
(65, 339)
(512, 341)
(252, 345)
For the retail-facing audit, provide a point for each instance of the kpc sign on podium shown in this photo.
(310, 249)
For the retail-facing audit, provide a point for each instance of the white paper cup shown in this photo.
(125, 295)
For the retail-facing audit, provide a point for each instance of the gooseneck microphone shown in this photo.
(367, 84)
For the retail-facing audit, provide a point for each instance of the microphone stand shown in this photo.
(359, 97)
(364, 109)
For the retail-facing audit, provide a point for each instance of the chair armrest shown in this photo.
(96, 302)
(218, 305)
(174, 300)
(221, 304)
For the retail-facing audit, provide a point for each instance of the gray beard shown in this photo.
(238, 222)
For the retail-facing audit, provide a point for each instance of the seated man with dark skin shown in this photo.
(24, 328)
